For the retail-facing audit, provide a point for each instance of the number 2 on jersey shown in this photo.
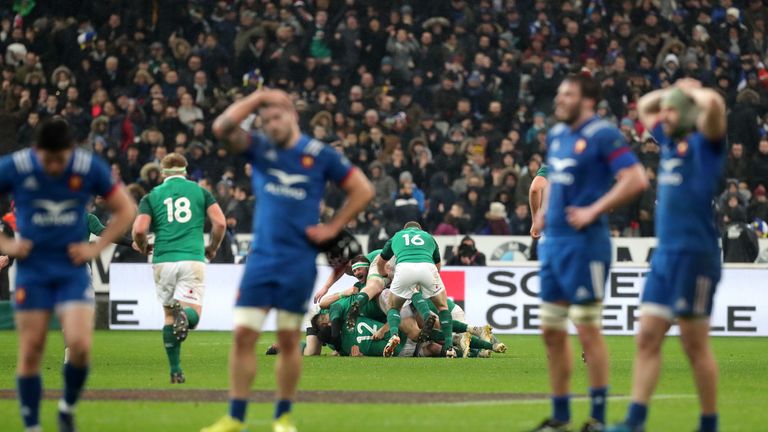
(415, 240)
(178, 210)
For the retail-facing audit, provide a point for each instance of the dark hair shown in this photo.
(589, 87)
(412, 224)
(54, 135)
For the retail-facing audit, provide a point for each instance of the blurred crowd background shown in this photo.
(444, 103)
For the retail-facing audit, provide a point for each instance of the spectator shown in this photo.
(496, 221)
(759, 168)
(520, 222)
(737, 166)
(383, 184)
(758, 208)
(469, 252)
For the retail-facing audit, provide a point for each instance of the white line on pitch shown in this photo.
(544, 400)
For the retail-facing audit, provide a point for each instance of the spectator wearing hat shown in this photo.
(758, 208)
(496, 221)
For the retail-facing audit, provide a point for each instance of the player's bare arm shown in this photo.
(123, 211)
(218, 228)
(226, 127)
(359, 193)
(630, 183)
(14, 248)
(332, 279)
(327, 301)
(536, 199)
(141, 232)
(649, 108)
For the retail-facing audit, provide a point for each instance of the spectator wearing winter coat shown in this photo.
(384, 185)
(496, 221)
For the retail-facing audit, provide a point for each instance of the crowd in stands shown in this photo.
(445, 104)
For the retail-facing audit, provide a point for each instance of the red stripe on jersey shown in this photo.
(346, 177)
(114, 189)
(617, 153)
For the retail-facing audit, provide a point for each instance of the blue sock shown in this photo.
(708, 423)
(237, 408)
(637, 414)
(74, 380)
(598, 400)
(30, 391)
(283, 406)
(561, 406)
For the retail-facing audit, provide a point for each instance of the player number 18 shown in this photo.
(178, 210)
(415, 240)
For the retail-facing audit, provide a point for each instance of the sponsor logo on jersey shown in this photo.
(75, 183)
(681, 304)
(582, 293)
(668, 176)
(580, 146)
(21, 295)
(682, 148)
(31, 184)
(271, 155)
(559, 167)
(55, 213)
(556, 144)
(285, 182)
(307, 161)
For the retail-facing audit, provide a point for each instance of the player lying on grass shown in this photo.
(175, 211)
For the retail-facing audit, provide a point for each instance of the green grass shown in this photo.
(124, 360)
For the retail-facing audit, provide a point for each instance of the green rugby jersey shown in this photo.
(178, 208)
(362, 336)
(412, 245)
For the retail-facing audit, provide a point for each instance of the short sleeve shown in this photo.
(542, 172)
(337, 166)
(7, 172)
(145, 207)
(436, 254)
(259, 144)
(386, 252)
(103, 183)
(337, 311)
(614, 149)
(208, 198)
(95, 226)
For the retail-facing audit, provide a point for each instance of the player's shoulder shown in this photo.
(83, 161)
(557, 129)
(600, 128)
(20, 161)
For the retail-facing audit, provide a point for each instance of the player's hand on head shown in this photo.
(81, 253)
(17, 248)
(580, 217)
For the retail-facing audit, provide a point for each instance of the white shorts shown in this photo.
(183, 281)
(405, 312)
(411, 277)
(409, 349)
(457, 314)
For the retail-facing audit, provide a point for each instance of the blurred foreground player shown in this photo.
(175, 211)
(585, 154)
(290, 171)
(689, 124)
(51, 184)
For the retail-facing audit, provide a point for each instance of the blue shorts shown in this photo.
(34, 293)
(287, 287)
(683, 284)
(573, 270)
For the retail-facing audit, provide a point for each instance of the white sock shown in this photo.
(65, 407)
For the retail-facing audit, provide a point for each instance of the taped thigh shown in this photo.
(250, 317)
(554, 316)
(587, 315)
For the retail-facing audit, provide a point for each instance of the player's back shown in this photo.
(362, 336)
(581, 167)
(689, 173)
(413, 245)
(177, 208)
(50, 211)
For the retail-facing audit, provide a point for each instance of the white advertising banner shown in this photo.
(504, 297)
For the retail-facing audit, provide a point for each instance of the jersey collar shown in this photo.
(174, 177)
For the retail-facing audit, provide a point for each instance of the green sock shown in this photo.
(478, 343)
(192, 317)
(459, 327)
(436, 335)
(421, 305)
(362, 299)
(473, 353)
(393, 319)
(172, 349)
(446, 326)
